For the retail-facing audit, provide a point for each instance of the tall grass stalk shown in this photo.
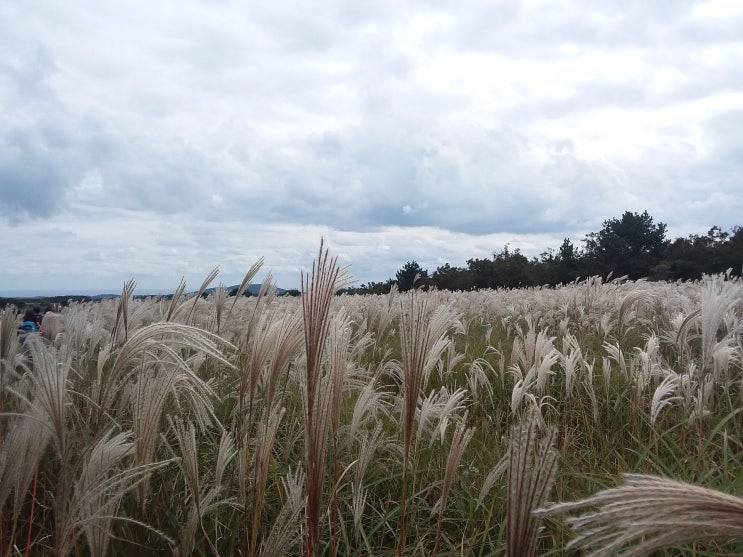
(317, 294)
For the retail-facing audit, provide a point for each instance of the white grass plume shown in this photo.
(26, 437)
(287, 527)
(649, 514)
(663, 395)
(205, 496)
(51, 368)
(98, 493)
(532, 465)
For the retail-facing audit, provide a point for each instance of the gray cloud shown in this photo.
(474, 121)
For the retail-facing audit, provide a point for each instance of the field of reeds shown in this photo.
(424, 423)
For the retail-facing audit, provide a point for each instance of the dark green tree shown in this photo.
(411, 275)
(568, 263)
(631, 245)
(447, 277)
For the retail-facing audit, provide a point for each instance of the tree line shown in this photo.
(631, 245)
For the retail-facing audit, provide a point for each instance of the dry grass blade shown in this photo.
(531, 471)
(648, 514)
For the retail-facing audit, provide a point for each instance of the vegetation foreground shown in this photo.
(423, 423)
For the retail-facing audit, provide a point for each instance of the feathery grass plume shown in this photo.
(97, 496)
(8, 350)
(104, 458)
(719, 297)
(25, 440)
(649, 514)
(422, 340)
(520, 391)
(152, 389)
(532, 465)
(205, 498)
(287, 527)
(204, 285)
(628, 302)
(663, 395)
(262, 460)
(679, 331)
(616, 353)
(439, 406)
(220, 299)
(257, 345)
(52, 325)
(175, 301)
(162, 339)
(151, 356)
(122, 312)
(339, 340)
(493, 476)
(254, 268)
(317, 294)
(590, 391)
(262, 345)
(288, 336)
(477, 378)
(461, 438)
(51, 368)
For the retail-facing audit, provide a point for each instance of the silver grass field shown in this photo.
(595, 418)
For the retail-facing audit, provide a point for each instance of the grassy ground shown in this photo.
(369, 425)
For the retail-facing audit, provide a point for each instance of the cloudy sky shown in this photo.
(156, 140)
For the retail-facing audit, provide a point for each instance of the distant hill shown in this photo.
(252, 290)
(64, 300)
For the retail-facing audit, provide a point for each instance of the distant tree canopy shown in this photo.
(411, 275)
(632, 245)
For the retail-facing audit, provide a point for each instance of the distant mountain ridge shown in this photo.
(42, 300)
(252, 289)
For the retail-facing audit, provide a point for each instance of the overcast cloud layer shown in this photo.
(156, 140)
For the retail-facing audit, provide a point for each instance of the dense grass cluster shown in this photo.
(424, 423)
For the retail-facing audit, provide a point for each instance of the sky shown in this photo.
(156, 140)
